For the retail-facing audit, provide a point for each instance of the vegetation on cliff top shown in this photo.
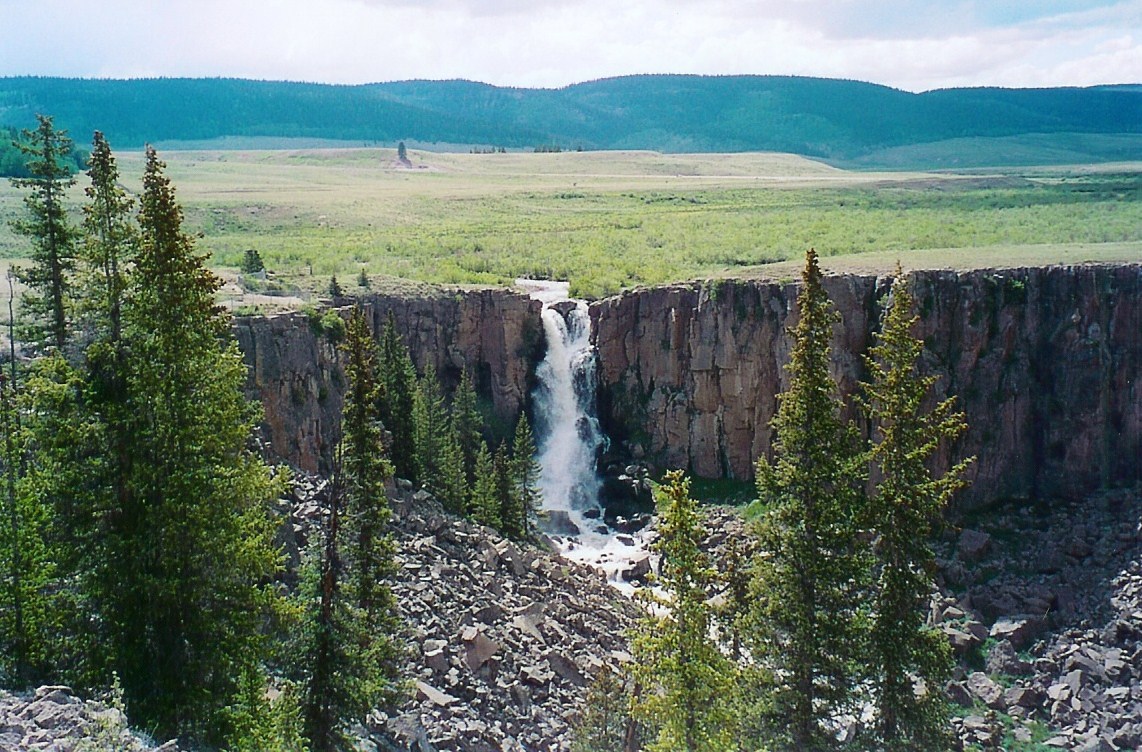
(610, 221)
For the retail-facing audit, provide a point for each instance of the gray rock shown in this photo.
(559, 522)
(435, 696)
(1002, 659)
(989, 693)
(973, 545)
(479, 649)
(566, 668)
(1018, 630)
(638, 570)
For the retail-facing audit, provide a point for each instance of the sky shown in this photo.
(909, 44)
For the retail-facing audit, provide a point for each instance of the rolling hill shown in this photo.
(843, 122)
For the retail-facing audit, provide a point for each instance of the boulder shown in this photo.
(559, 522)
(973, 545)
(989, 693)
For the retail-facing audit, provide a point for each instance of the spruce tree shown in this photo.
(736, 601)
(509, 522)
(110, 241)
(47, 301)
(525, 476)
(439, 463)
(466, 422)
(350, 655)
(27, 566)
(907, 501)
(190, 539)
(429, 426)
(451, 485)
(806, 629)
(396, 398)
(605, 721)
(484, 501)
(687, 683)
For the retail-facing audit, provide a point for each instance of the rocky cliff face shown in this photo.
(295, 373)
(1046, 362)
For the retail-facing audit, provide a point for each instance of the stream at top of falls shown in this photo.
(569, 439)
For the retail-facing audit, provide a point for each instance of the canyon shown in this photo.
(1045, 362)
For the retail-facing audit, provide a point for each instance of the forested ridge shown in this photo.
(841, 121)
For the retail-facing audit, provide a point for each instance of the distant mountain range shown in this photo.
(843, 122)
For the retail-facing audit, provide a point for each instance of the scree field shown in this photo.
(610, 220)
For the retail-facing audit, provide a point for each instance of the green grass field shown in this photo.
(609, 220)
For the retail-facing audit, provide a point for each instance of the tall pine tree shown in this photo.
(439, 463)
(396, 397)
(907, 501)
(350, 654)
(190, 539)
(466, 422)
(47, 301)
(806, 628)
(687, 683)
(527, 500)
(484, 501)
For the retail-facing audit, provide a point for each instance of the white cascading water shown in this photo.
(568, 434)
(567, 429)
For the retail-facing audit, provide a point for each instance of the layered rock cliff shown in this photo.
(1046, 363)
(294, 368)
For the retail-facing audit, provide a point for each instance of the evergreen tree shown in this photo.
(110, 241)
(525, 477)
(439, 463)
(484, 502)
(363, 279)
(252, 262)
(351, 654)
(47, 300)
(736, 601)
(429, 428)
(395, 399)
(806, 628)
(60, 485)
(335, 291)
(466, 422)
(190, 539)
(907, 501)
(27, 570)
(509, 523)
(687, 682)
(605, 722)
(452, 489)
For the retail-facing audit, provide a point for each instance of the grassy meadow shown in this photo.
(610, 220)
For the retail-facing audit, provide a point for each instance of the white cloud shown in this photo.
(913, 44)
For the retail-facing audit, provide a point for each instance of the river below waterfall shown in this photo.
(569, 438)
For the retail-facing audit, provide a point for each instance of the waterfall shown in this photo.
(569, 438)
(566, 427)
